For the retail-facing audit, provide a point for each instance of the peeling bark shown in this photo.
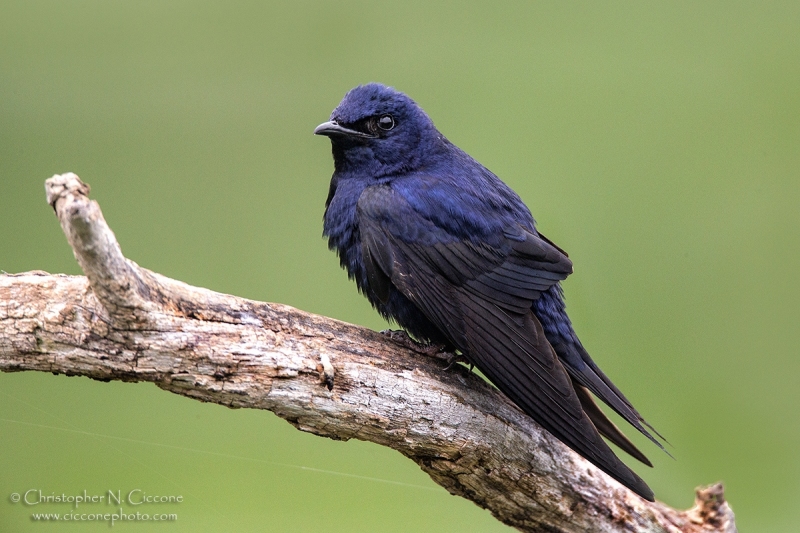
(326, 377)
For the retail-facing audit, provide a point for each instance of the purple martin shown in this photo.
(444, 248)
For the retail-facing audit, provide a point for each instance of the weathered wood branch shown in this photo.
(123, 322)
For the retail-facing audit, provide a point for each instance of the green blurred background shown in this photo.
(658, 144)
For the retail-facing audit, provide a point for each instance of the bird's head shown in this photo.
(380, 131)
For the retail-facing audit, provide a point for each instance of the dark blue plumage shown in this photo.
(442, 246)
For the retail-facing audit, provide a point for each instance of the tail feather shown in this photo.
(586, 373)
(605, 426)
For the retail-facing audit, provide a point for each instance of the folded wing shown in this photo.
(479, 293)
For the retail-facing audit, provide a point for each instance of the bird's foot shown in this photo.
(438, 351)
(404, 339)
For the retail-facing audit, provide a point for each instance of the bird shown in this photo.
(441, 246)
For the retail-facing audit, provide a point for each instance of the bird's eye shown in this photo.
(386, 122)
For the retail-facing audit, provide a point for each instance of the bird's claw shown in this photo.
(454, 359)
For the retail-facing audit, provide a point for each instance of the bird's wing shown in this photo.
(480, 296)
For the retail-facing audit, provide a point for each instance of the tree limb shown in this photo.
(123, 322)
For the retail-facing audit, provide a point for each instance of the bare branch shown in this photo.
(124, 322)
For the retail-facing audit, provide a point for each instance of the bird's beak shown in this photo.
(333, 128)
